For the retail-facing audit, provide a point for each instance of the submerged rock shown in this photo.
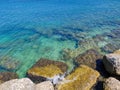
(46, 70)
(112, 63)
(89, 58)
(110, 47)
(18, 84)
(83, 46)
(112, 84)
(47, 85)
(9, 63)
(82, 78)
(6, 76)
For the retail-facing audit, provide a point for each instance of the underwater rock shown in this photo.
(112, 63)
(9, 63)
(83, 46)
(112, 84)
(89, 58)
(113, 41)
(6, 76)
(95, 42)
(47, 85)
(98, 38)
(116, 33)
(82, 78)
(109, 48)
(88, 43)
(18, 84)
(45, 69)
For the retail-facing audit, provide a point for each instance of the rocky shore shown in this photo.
(92, 71)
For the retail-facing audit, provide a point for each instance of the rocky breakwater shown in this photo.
(45, 69)
(94, 59)
(92, 71)
(112, 65)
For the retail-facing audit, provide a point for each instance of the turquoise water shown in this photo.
(58, 30)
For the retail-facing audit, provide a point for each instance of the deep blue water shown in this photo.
(34, 29)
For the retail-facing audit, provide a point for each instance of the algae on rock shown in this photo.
(46, 71)
(82, 78)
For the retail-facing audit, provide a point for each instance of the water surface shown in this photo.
(34, 29)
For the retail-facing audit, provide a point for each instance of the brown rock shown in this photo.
(9, 63)
(88, 58)
(6, 76)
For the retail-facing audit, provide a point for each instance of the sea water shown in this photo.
(34, 29)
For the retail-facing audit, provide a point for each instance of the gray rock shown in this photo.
(47, 85)
(112, 63)
(18, 84)
(112, 84)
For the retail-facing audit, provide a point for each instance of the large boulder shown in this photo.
(47, 85)
(112, 63)
(18, 84)
(112, 84)
(82, 78)
(6, 76)
(46, 70)
(89, 58)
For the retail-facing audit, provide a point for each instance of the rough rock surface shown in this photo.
(46, 69)
(112, 63)
(47, 85)
(18, 84)
(82, 78)
(5, 76)
(89, 58)
(112, 84)
(117, 51)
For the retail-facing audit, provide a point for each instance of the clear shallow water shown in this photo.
(34, 29)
